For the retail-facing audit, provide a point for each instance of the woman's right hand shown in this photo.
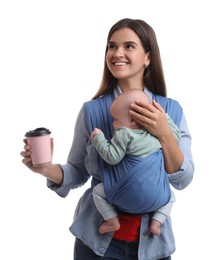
(27, 161)
(51, 171)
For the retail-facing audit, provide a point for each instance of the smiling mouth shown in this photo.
(120, 63)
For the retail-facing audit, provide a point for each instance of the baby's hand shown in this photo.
(95, 132)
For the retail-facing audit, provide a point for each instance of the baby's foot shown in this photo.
(111, 225)
(155, 227)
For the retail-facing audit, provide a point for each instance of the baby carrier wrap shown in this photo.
(136, 185)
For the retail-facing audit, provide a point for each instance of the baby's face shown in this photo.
(120, 116)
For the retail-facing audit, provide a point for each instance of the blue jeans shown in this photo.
(118, 250)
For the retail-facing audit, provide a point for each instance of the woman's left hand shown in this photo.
(152, 117)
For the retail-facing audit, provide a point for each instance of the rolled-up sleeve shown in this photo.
(184, 176)
(74, 171)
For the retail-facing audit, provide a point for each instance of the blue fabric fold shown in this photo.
(143, 188)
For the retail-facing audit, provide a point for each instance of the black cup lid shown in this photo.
(40, 131)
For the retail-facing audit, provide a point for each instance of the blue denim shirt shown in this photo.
(82, 165)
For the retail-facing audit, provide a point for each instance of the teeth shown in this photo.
(120, 63)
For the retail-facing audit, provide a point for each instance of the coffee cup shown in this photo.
(40, 143)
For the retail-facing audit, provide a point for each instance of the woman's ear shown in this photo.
(148, 60)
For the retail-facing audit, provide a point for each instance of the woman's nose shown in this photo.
(119, 52)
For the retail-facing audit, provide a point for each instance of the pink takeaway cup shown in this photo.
(40, 143)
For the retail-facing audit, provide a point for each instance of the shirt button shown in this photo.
(146, 233)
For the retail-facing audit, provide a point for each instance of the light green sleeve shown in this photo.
(114, 151)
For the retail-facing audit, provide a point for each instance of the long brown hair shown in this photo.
(153, 75)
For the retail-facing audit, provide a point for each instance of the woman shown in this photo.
(132, 61)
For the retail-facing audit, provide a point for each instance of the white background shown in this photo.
(51, 61)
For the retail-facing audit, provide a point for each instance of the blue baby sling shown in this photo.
(136, 185)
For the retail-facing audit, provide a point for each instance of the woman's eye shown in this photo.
(129, 46)
(111, 46)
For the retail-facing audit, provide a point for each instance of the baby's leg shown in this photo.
(107, 210)
(160, 215)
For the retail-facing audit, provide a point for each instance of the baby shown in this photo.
(129, 138)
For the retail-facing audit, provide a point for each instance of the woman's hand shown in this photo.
(152, 117)
(26, 154)
(50, 171)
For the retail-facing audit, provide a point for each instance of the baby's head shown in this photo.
(121, 106)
